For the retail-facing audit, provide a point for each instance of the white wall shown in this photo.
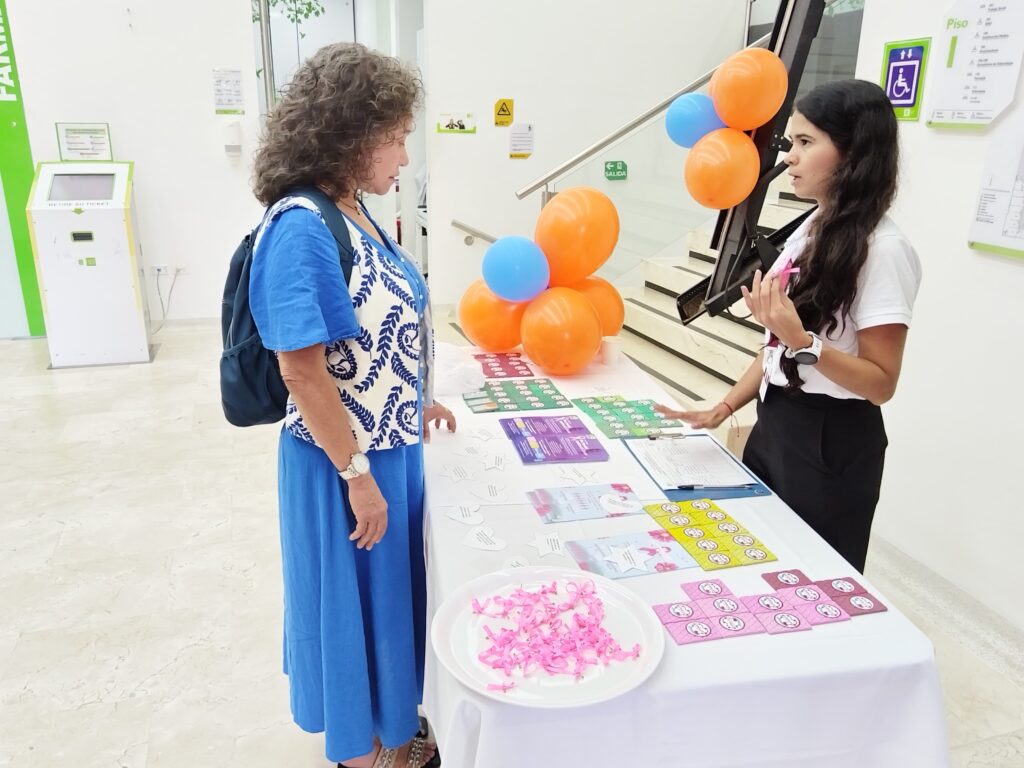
(145, 68)
(576, 69)
(950, 497)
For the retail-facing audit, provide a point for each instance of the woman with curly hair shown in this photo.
(356, 356)
(835, 335)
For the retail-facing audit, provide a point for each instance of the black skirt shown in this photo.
(823, 456)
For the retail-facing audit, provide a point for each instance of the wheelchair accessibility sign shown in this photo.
(903, 76)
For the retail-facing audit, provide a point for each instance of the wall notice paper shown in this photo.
(692, 462)
(456, 122)
(227, 92)
(978, 63)
(84, 141)
(520, 141)
(998, 225)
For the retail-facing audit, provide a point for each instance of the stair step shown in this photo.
(723, 359)
(721, 328)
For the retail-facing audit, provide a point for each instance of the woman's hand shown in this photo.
(436, 413)
(772, 308)
(697, 419)
(370, 509)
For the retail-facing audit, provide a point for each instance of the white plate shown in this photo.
(458, 638)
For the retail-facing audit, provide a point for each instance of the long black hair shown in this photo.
(859, 119)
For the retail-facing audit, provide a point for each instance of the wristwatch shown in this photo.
(808, 355)
(359, 466)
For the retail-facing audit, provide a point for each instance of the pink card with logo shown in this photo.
(823, 613)
(808, 593)
(693, 631)
(698, 590)
(720, 606)
(842, 586)
(859, 605)
(786, 579)
(767, 603)
(506, 365)
(737, 624)
(670, 613)
(783, 621)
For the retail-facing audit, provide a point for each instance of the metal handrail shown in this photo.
(473, 232)
(592, 150)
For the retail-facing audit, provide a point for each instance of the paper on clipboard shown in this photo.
(694, 461)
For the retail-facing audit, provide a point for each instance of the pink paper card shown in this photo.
(720, 606)
(843, 586)
(786, 579)
(859, 605)
(508, 365)
(808, 593)
(693, 631)
(783, 621)
(737, 624)
(670, 613)
(823, 613)
(698, 590)
(767, 603)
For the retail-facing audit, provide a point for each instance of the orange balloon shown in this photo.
(748, 89)
(722, 168)
(577, 230)
(561, 331)
(606, 300)
(489, 321)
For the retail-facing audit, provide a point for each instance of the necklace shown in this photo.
(354, 208)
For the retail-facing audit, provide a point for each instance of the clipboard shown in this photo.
(755, 488)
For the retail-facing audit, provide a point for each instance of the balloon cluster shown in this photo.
(541, 293)
(745, 93)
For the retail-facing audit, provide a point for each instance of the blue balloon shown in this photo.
(515, 268)
(690, 117)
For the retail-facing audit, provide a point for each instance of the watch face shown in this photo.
(360, 463)
(805, 358)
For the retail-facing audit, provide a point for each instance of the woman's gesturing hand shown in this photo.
(708, 419)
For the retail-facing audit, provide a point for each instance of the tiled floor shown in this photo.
(140, 579)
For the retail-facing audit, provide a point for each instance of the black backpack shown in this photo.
(251, 388)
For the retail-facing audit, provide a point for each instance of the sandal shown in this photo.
(386, 758)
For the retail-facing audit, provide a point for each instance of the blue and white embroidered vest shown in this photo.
(377, 373)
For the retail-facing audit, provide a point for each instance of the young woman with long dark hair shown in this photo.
(835, 334)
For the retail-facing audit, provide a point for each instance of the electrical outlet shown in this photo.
(161, 269)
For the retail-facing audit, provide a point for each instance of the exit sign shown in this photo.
(615, 170)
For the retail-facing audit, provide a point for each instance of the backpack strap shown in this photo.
(335, 222)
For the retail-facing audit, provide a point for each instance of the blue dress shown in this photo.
(354, 621)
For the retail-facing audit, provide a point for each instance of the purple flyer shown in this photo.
(553, 439)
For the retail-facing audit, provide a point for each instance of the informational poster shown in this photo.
(903, 67)
(84, 141)
(228, 98)
(520, 141)
(456, 122)
(998, 225)
(504, 112)
(979, 57)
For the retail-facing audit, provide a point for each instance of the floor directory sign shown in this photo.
(980, 50)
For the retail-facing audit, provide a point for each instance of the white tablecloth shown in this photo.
(860, 694)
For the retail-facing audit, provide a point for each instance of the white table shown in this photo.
(860, 694)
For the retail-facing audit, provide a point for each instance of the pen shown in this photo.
(698, 487)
